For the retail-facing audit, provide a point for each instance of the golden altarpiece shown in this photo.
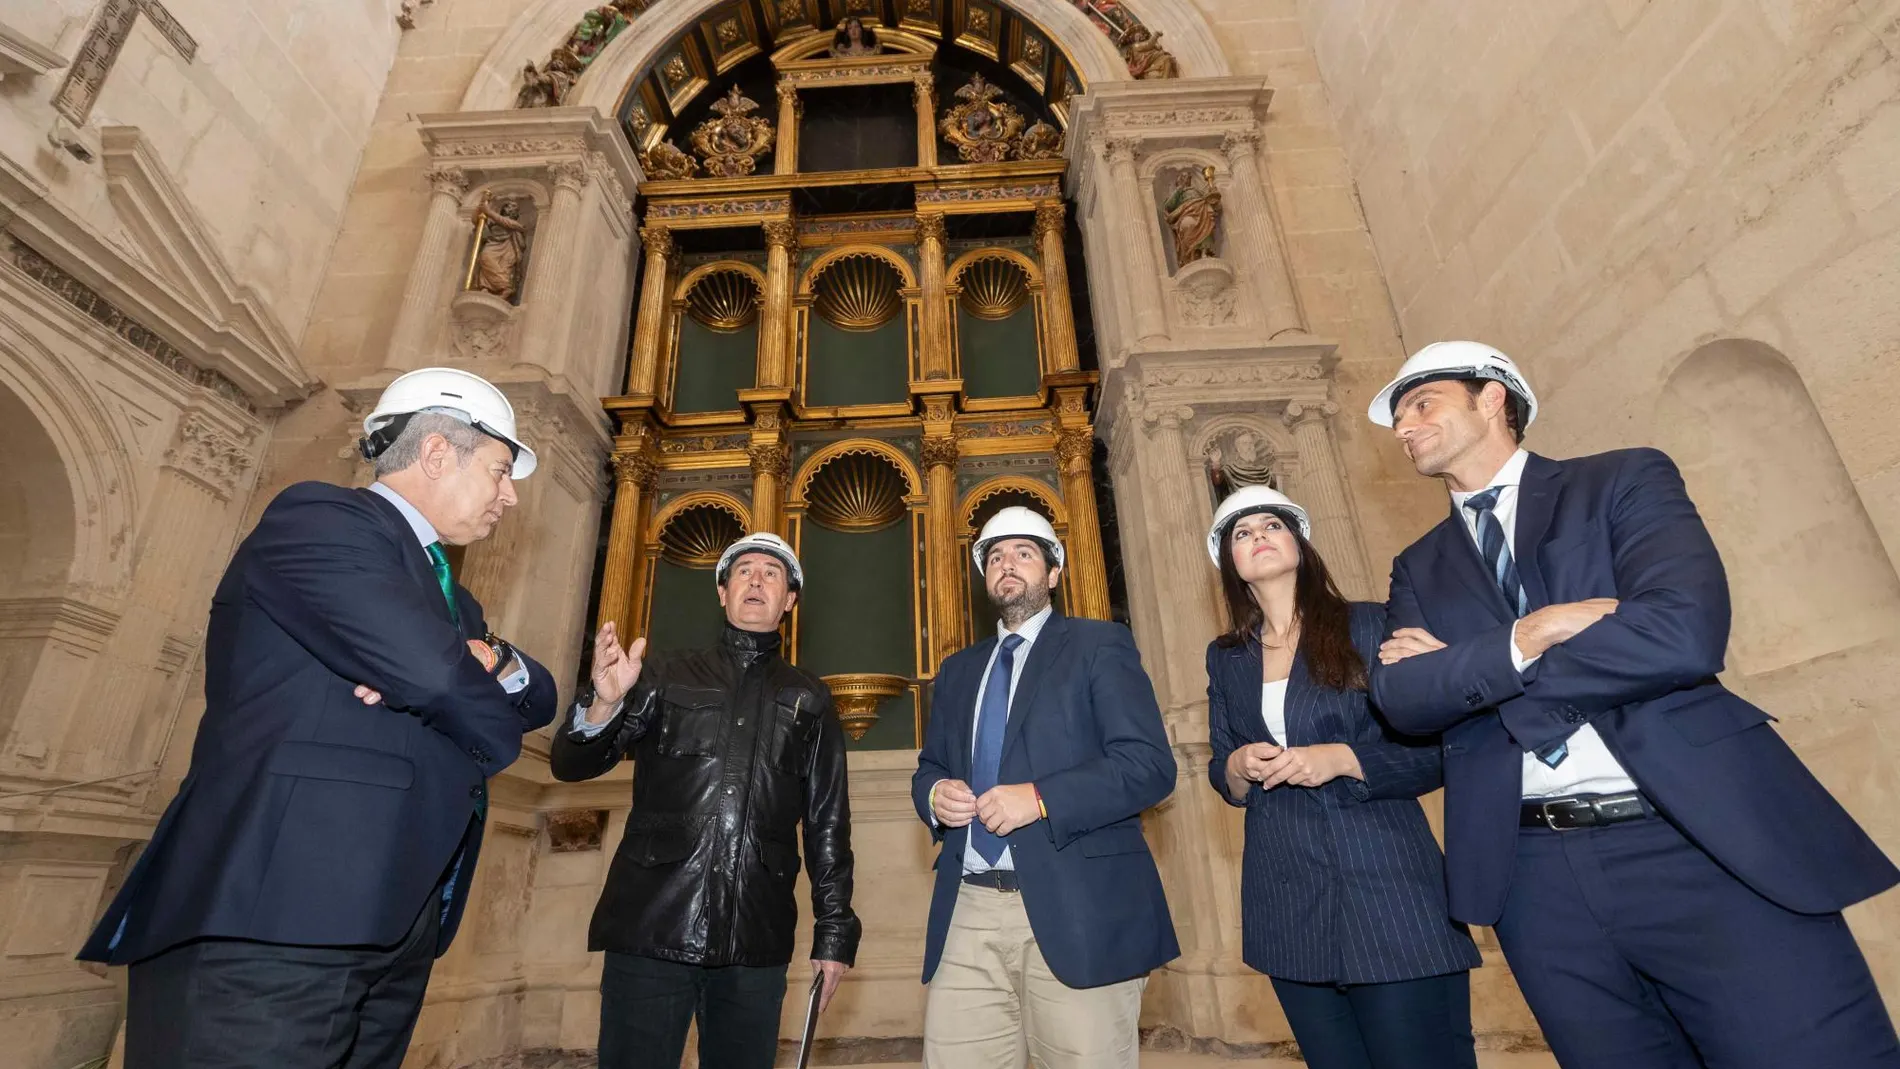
(855, 328)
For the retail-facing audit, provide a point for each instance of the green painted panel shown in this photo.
(856, 616)
(999, 355)
(857, 367)
(714, 366)
(686, 613)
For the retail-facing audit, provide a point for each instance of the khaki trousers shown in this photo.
(994, 1004)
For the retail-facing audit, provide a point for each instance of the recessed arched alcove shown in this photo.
(1807, 573)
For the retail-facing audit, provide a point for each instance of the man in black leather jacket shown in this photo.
(732, 749)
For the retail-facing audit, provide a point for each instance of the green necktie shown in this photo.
(444, 579)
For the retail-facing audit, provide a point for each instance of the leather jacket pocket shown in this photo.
(795, 729)
(691, 719)
(780, 861)
(655, 848)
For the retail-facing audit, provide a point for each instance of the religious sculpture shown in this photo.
(731, 143)
(1146, 59)
(1241, 463)
(1193, 215)
(854, 38)
(548, 86)
(665, 162)
(406, 13)
(1040, 142)
(501, 245)
(983, 129)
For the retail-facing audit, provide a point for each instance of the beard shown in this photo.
(1020, 605)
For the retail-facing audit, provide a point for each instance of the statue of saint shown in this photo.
(1241, 463)
(854, 38)
(1145, 57)
(1193, 216)
(501, 248)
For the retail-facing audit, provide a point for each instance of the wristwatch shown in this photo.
(584, 697)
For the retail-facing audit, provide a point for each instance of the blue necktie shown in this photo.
(991, 718)
(1497, 557)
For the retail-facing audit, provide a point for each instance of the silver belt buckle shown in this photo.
(1550, 816)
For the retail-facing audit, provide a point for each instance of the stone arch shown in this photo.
(544, 25)
(1771, 502)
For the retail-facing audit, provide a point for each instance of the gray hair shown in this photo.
(407, 448)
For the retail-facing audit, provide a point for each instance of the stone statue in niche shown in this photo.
(731, 143)
(501, 246)
(546, 88)
(983, 129)
(1193, 216)
(665, 162)
(1146, 59)
(1238, 459)
(854, 38)
(1040, 142)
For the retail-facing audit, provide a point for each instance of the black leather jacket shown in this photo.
(732, 748)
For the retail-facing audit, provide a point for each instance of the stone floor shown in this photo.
(1157, 1060)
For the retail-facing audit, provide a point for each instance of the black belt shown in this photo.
(994, 879)
(1585, 811)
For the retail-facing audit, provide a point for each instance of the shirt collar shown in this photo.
(425, 531)
(1511, 474)
(1030, 629)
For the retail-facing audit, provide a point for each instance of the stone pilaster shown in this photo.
(421, 297)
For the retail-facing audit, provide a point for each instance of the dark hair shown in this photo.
(1049, 562)
(1513, 406)
(842, 38)
(1322, 612)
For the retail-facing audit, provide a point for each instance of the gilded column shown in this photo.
(771, 467)
(937, 359)
(1254, 223)
(635, 470)
(548, 300)
(1142, 276)
(1058, 316)
(432, 264)
(1322, 492)
(649, 326)
(775, 345)
(1075, 451)
(785, 158)
(944, 566)
(924, 90)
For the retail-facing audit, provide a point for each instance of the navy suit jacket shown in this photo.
(1615, 525)
(1085, 729)
(1340, 883)
(308, 818)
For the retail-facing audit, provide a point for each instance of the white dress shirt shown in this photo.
(426, 534)
(973, 861)
(1589, 768)
(1273, 709)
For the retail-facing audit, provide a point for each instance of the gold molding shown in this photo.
(856, 291)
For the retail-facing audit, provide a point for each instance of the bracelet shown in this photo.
(1039, 803)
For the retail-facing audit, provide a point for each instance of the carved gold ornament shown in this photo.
(732, 142)
(983, 129)
(856, 696)
(858, 291)
(993, 287)
(696, 536)
(665, 162)
(724, 300)
(856, 492)
(1040, 142)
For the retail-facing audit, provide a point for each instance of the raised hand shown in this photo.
(616, 670)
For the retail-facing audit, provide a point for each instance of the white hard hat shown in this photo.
(1455, 360)
(1245, 502)
(760, 542)
(469, 398)
(1016, 522)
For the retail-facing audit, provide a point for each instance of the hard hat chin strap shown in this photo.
(378, 441)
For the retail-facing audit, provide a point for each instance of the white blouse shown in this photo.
(1273, 708)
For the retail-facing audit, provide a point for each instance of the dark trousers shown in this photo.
(1637, 951)
(233, 1004)
(1406, 1024)
(646, 1005)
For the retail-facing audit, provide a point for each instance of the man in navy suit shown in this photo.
(318, 855)
(1664, 875)
(1044, 747)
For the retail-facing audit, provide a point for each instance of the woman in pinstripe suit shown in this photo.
(1342, 887)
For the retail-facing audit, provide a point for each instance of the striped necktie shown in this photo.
(1496, 551)
(444, 579)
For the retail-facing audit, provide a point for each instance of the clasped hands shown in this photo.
(488, 653)
(1002, 809)
(1297, 766)
(1533, 635)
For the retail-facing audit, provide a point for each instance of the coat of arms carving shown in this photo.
(732, 143)
(983, 128)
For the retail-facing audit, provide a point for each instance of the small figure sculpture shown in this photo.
(1040, 142)
(854, 38)
(1193, 215)
(1241, 464)
(1145, 57)
(537, 91)
(501, 242)
(665, 162)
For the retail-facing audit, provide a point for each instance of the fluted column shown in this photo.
(771, 466)
(924, 91)
(785, 157)
(775, 321)
(1322, 492)
(1142, 278)
(937, 358)
(433, 262)
(649, 326)
(634, 474)
(1075, 449)
(1058, 317)
(944, 567)
(1177, 530)
(1252, 221)
(547, 304)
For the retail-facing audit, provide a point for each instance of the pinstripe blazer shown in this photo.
(1340, 883)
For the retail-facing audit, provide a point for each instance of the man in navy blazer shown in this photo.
(1037, 764)
(318, 854)
(1664, 875)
